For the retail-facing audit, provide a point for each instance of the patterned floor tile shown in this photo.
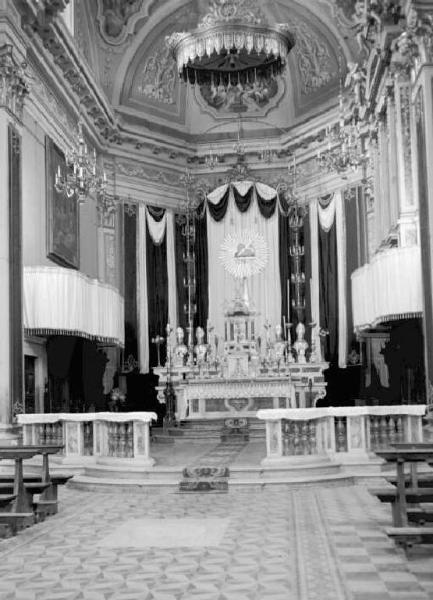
(306, 544)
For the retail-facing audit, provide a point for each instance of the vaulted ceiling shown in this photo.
(124, 44)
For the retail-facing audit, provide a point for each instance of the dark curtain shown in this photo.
(353, 254)
(201, 273)
(157, 296)
(218, 211)
(306, 241)
(243, 202)
(130, 258)
(328, 289)
(283, 234)
(266, 207)
(182, 295)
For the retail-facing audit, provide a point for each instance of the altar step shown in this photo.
(303, 472)
(205, 429)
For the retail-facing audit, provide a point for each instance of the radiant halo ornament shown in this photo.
(244, 253)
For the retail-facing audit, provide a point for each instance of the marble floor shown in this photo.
(273, 544)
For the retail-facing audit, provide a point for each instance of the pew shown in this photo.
(5, 501)
(409, 489)
(48, 502)
(20, 513)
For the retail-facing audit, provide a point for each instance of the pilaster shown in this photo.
(13, 89)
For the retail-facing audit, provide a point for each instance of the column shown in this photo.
(404, 119)
(424, 138)
(13, 89)
(393, 173)
(417, 57)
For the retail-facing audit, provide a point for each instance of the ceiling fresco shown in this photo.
(139, 76)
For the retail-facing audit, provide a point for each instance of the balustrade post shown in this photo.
(29, 434)
(74, 439)
(414, 429)
(274, 439)
(141, 441)
(331, 442)
(356, 442)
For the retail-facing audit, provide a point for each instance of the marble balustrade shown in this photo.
(97, 436)
(343, 433)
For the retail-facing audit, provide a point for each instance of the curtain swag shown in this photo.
(244, 193)
(326, 211)
(157, 226)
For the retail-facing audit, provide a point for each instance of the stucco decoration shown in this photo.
(312, 57)
(117, 18)
(247, 11)
(157, 79)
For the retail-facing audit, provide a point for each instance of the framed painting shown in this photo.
(62, 213)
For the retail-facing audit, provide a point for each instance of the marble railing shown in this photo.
(344, 433)
(97, 435)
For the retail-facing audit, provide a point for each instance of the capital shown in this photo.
(14, 86)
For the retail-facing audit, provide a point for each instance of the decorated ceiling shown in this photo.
(124, 42)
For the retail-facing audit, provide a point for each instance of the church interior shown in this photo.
(216, 368)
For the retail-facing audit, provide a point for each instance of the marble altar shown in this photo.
(244, 374)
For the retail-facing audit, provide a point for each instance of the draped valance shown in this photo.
(244, 192)
(60, 301)
(388, 288)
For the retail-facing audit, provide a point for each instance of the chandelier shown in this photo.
(212, 159)
(233, 45)
(267, 155)
(81, 177)
(344, 149)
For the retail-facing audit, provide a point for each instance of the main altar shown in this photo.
(246, 374)
(243, 367)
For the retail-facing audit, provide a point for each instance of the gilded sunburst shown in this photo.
(244, 253)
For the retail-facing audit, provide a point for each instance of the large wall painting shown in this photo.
(62, 213)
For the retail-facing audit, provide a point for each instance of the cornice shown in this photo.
(40, 22)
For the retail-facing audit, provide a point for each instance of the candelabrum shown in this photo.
(344, 150)
(267, 155)
(212, 159)
(81, 176)
(239, 146)
(189, 233)
(297, 251)
(158, 340)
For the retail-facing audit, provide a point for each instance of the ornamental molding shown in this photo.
(241, 11)
(43, 24)
(117, 19)
(148, 173)
(240, 389)
(14, 81)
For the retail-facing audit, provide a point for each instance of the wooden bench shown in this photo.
(408, 536)
(409, 489)
(48, 502)
(20, 512)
